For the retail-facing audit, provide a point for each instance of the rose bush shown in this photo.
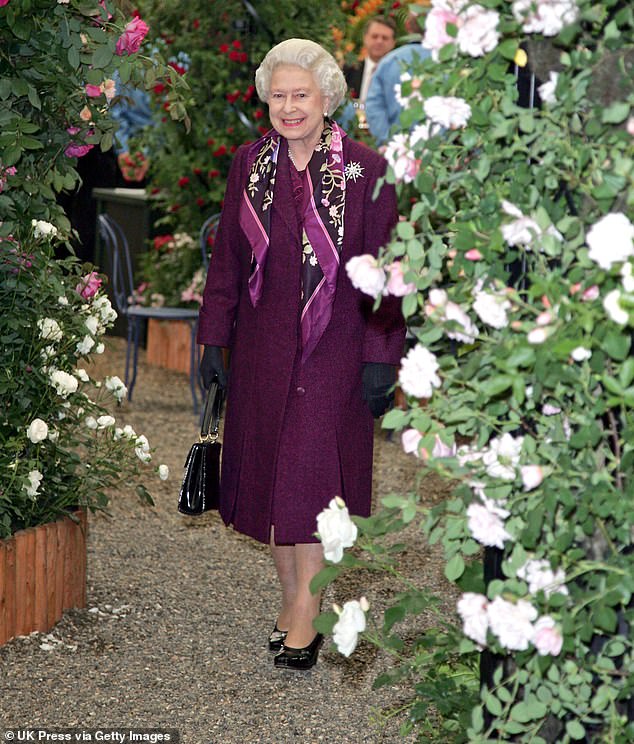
(517, 230)
(60, 447)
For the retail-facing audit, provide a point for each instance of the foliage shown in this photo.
(49, 54)
(171, 273)
(217, 48)
(59, 448)
(517, 239)
(52, 318)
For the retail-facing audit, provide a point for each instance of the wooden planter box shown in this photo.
(168, 344)
(42, 573)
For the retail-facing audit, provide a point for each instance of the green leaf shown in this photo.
(455, 567)
(616, 113)
(575, 730)
(325, 622)
(496, 385)
(391, 616)
(102, 57)
(617, 345)
(326, 576)
(493, 705)
(405, 230)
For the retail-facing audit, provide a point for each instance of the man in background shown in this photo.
(379, 38)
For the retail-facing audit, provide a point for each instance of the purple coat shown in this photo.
(297, 435)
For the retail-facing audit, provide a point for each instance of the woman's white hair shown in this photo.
(309, 56)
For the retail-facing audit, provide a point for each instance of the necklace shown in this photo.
(290, 155)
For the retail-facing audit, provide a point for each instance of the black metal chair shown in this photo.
(119, 269)
(207, 236)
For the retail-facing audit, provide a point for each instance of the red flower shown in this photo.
(224, 48)
(233, 97)
(222, 150)
(243, 57)
(233, 148)
(258, 114)
(160, 88)
(234, 56)
(230, 130)
(182, 182)
(155, 190)
(174, 208)
(262, 130)
(210, 141)
(236, 44)
(213, 173)
(196, 23)
(197, 171)
(179, 68)
(161, 240)
(200, 201)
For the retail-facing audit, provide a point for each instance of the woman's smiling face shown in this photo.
(296, 105)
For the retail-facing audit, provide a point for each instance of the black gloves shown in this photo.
(213, 365)
(378, 378)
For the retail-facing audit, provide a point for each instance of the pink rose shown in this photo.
(436, 36)
(132, 37)
(547, 637)
(365, 274)
(77, 151)
(89, 285)
(93, 91)
(486, 525)
(473, 255)
(590, 294)
(395, 284)
(3, 3)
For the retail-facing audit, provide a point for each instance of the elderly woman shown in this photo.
(308, 357)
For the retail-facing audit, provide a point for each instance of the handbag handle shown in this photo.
(211, 412)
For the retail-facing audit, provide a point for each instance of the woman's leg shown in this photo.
(284, 560)
(308, 560)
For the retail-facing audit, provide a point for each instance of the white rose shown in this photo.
(523, 230)
(417, 375)
(627, 277)
(92, 324)
(492, 309)
(539, 575)
(512, 623)
(547, 90)
(612, 306)
(478, 34)
(580, 354)
(449, 112)
(472, 608)
(546, 17)
(128, 432)
(35, 478)
(163, 472)
(547, 637)
(351, 622)
(82, 374)
(37, 431)
(610, 240)
(91, 422)
(455, 313)
(105, 421)
(502, 456)
(85, 345)
(49, 329)
(335, 529)
(532, 476)
(410, 439)
(62, 300)
(486, 526)
(366, 275)
(116, 387)
(100, 348)
(43, 229)
(63, 383)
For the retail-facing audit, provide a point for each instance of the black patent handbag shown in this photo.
(200, 489)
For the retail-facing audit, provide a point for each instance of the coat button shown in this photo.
(301, 391)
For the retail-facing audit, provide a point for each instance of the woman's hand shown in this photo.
(378, 381)
(212, 365)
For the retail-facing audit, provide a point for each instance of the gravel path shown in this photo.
(179, 609)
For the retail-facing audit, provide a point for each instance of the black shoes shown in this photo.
(277, 638)
(299, 658)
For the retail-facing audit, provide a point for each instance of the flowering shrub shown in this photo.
(171, 273)
(518, 237)
(61, 448)
(57, 62)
